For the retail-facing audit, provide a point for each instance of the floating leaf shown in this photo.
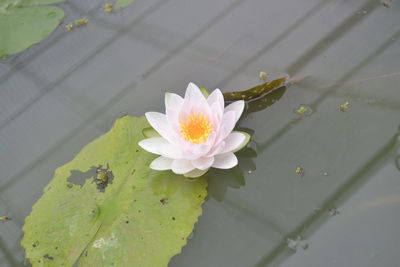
(122, 3)
(107, 208)
(25, 23)
(256, 91)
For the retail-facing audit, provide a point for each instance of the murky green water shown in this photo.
(344, 210)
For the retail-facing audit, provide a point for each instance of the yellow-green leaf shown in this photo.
(107, 208)
(25, 23)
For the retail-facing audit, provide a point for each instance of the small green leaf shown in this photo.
(123, 3)
(25, 23)
(107, 208)
(256, 91)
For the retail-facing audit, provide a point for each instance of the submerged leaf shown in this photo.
(107, 208)
(256, 91)
(25, 23)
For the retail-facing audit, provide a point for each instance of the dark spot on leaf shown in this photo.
(127, 221)
(47, 256)
(56, 247)
(133, 171)
(164, 201)
(199, 195)
(139, 211)
(173, 218)
(35, 244)
(137, 150)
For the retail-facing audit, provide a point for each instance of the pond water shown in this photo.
(342, 205)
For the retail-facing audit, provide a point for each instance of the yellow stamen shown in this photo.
(196, 128)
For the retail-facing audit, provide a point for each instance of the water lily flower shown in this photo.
(196, 133)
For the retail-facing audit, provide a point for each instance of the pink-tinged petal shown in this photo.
(161, 164)
(199, 150)
(195, 173)
(203, 163)
(225, 161)
(194, 102)
(181, 166)
(193, 93)
(216, 97)
(216, 149)
(159, 122)
(233, 141)
(216, 115)
(237, 107)
(153, 144)
(227, 125)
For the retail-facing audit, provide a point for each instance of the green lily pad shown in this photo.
(107, 208)
(122, 3)
(25, 23)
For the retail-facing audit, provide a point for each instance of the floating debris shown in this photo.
(77, 23)
(4, 219)
(334, 212)
(295, 244)
(325, 173)
(385, 4)
(70, 26)
(303, 110)
(108, 7)
(263, 76)
(81, 22)
(300, 171)
(344, 107)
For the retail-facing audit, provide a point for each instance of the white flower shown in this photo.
(195, 133)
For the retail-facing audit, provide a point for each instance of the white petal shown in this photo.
(233, 141)
(227, 125)
(203, 163)
(181, 166)
(225, 161)
(159, 122)
(173, 106)
(161, 164)
(171, 151)
(237, 107)
(195, 173)
(153, 144)
(173, 101)
(216, 97)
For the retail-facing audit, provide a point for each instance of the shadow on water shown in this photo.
(220, 180)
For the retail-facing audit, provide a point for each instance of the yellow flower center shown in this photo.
(196, 128)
